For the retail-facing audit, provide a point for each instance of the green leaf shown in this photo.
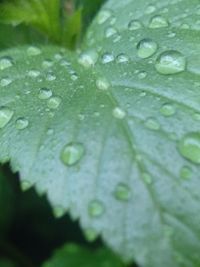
(112, 135)
(74, 256)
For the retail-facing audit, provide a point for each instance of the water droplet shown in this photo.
(102, 84)
(96, 208)
(189, 147)
(167, 110)
(119, 113)
(146, 48)
(142, 75)
(5, 81)
(152, 124)
(72, 153)
(44, 93)
(103, 16)
(47, 63)
(5, 116)
(5, 62)
(134, 25)
(110, 31)
(158, 22)
(147, 178)
(74, 76)
(107, 58)
(122, 58)
(54, 102)
(33, 51)
(150, 9)
(58, 211)
(88, 58)
(122, 192)
(21, 123)
(91, 234)
(185, 173)
(33, 73)
(50, 77)
(170, 62)
(25, 185)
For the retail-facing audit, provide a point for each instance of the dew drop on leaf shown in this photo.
(33, 51)
(185, 173)
(90, 234)
(54, 102)
(5, 82)
(107, 58)
(72, 153)
(134, 25)
(50, 77)
(158, 22)
(146, 48)
(110, 31)
(122, 58)
(58, 211)
(96, 208)
(88, 58)
(5, 116)
(25, 185)
(189, 147)
(122, 192)
(102, 84)
(170, 62)
(33, 73)
(152, 124)
(119, 113)
(103, 16)
(5, 62)
(150, 9)
(44, 93)
(21, 123)
(167, 110)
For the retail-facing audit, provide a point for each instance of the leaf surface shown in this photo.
(112, 134)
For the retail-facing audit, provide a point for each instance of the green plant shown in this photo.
(106, 125)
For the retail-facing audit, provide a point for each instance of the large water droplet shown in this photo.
(21, 123)
(170, 62)
(54, 102)
(88, 58)
(33, 51)
(158, 22)
(189, 147)
(134, 25)
(102, 84)
(72, 153)
(5, 116)
(167, 110)
(119, 113)
(5, 62)
(96, 208)
(44, 93)
(122, 192)
(146, 48)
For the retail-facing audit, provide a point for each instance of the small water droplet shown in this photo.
(33, 73)
(142, 75)
(5, 116)
(167, 110)
(147, 178)
(72, 153)
(88, 58)
(33, 51)
(58, 211)
(47, 63)
(146, 48)
(50, 77)
(54, 102)
(110, 31)
(189, 147)
(96, 208)
(150, 9)
(119, 113)
(21, 123)
(5, 82)
(122, 58)
(91, 234)
(25, 185)
(152, 124)
(185, 173)
(102, 84)
(44, 93)
(107, 58)
(74, 76)
(158, 22)
(5, 62)
(170, 62)
(103, 16)
(134, 25)
(122, 192)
